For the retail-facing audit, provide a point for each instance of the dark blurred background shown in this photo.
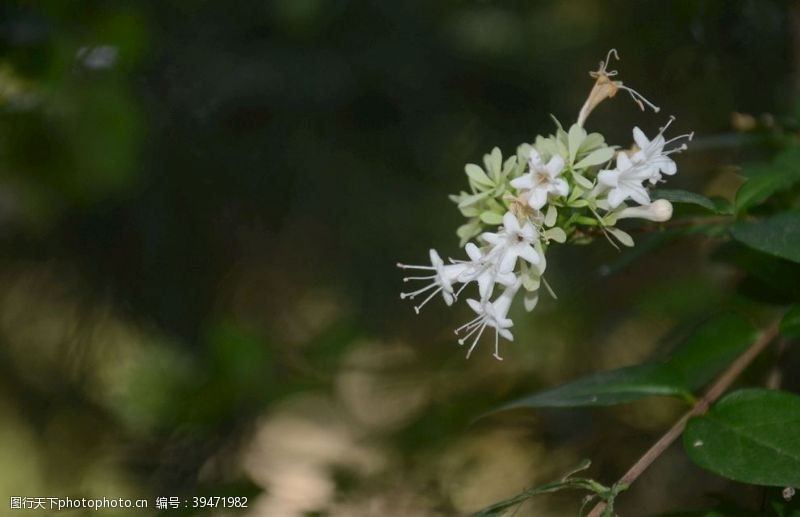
(201, 206)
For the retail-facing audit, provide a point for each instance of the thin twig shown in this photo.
(716, 390)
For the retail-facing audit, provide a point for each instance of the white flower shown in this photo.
(651, 155)
(625, 181)
(513, 242)
(659, 210)
(490, 314)
(483, 270)
(440, 281)
(542, 180)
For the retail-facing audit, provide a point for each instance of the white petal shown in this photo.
(508, 262)
(623, 161)
(538, 198)
(510, 223)
(609, 177)
(436, 260)
(666, 165)
(523, 182)
(640, 139)
(616, 197)
(485, 285)
(561, 187)
(506, 334)
(555, 165)
(529, 232)
(534, 160)
(639, 194)
(506, 278)
(473, 251)
(492, 238)
(529, 254)
(475, 305)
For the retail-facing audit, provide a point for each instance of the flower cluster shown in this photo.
(564, 188)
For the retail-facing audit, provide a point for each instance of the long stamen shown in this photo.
(475, 343)
(406, 279)
(497, 344)
(476, 326)
(467, 324)
(639, 99)
(413, 294)
(407, 266)
(669, 123)
(678, 149)
(418, 307)
(473, 326)
(687, 136)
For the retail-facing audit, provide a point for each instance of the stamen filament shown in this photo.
(497, 344)
(406, 279)
(406, 266)
(475, 343)
(434, 293)
(468, 323)
(638, 98)
(413, 294)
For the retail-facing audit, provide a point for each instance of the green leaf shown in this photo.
(468, 230)
(698, 359)
(765, 180)
(596, 157)
(779, 235)
(493, 161)
(609, 388)
(583, 182)
(491, 218)
(477, 175)
(790, 324)
(575, 138)
(622, 236)
(472, 198)
(556, 234)
(749, 436)
(711, 347)
(769, 279)
(683, 196)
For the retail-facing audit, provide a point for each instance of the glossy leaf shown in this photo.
(682, 196)
(750, 436)
(609, 388)
(702, 356)
(779, 235)
(765, 180)
(790, 324)
(711, 347)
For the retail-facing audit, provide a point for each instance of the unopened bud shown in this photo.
(658, 211)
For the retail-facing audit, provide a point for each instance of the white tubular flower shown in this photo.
(651, 153)
(542, 180)
(490, 314)
(625, 181)
(659, 211)
(441, 280)
(513, 242)
(483, 270)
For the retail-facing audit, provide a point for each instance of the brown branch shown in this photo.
(716, 390)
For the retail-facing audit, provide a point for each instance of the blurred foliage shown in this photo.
(201, 205)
